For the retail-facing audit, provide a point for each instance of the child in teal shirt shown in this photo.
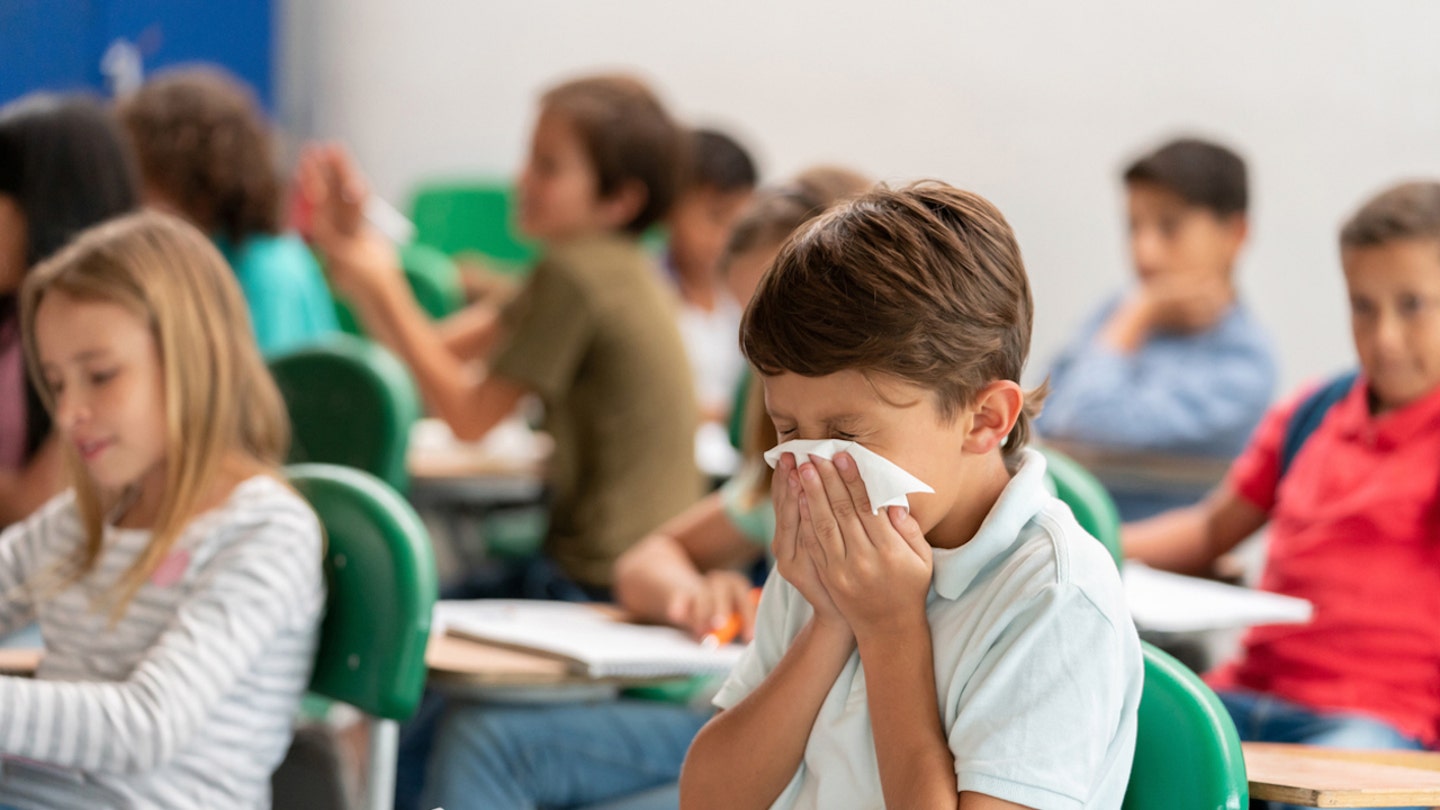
(205, 153)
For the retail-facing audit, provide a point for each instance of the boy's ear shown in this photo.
(993, 414)
(622, 206)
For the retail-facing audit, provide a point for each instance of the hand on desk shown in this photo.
(718, 600)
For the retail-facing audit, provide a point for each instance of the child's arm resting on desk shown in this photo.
(1190, 540)
(684, 573)
(254, 590)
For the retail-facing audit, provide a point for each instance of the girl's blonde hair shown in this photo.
(220, 400)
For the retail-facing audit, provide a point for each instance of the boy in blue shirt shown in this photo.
(1177, 364)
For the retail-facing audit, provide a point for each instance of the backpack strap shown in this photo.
(1309, 414)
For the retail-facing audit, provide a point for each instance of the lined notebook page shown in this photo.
(596, 644)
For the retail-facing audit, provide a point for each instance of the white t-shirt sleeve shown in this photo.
(774, 630)
(1042, 714)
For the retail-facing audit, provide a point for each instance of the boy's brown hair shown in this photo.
(203, 142)
(629, 137)
(1403, 212)
(1202, 173)
(778, 210)
(924, 283)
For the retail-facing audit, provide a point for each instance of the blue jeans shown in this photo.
(568, 755)
(536, 577)
(1261, 718)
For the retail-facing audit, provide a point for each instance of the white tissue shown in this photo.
(885, 483)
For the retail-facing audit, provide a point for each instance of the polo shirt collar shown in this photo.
(1019, 502)
(1388, 430)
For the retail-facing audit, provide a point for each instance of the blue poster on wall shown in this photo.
(109, 45)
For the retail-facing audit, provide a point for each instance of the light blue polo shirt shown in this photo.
(1037, 667)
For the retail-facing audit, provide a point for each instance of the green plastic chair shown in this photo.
(1187, 753)
(351, 403)
(380, 574)
(433, 279)
(1093, 507)
(456, 216)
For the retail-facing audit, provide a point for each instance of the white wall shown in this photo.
(1037, 108)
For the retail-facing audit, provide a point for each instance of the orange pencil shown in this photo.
(727, 632)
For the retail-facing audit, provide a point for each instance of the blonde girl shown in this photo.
(178, 583)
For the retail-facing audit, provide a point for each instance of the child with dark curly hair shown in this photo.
(206, 153)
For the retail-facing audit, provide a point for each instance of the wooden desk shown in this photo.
(462, 483)
(1321, 777)
(453, 662)
(507, 467)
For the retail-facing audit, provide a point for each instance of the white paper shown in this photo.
(602, 646)
(1173, 603)
(885, 483)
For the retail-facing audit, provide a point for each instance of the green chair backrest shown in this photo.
(433, 279)
(470, 215)
(1187, 754)
(351, 403)
(380, 572)
(1093, 507)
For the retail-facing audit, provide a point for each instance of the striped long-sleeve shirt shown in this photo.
(188, 700)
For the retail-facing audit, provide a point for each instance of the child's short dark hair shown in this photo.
(1203, 173)
(628, 136)
(1399, 213)
(924, 283)
(719, 162)
(203, 142)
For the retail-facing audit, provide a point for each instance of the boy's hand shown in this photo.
(1187, 305)
(792, 561)
(876, 568)
(359, 261)
(709, 604)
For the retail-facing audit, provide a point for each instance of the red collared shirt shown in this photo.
(1354, 528)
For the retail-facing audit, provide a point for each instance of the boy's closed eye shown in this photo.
(787, 432)
(1409, 304)
(1362, 306)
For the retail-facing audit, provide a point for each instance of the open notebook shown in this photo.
(1173, 603)
(594, 643)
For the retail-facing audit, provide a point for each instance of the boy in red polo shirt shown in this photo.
(1353, 515)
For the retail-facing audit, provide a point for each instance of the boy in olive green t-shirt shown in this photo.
(592, 333)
